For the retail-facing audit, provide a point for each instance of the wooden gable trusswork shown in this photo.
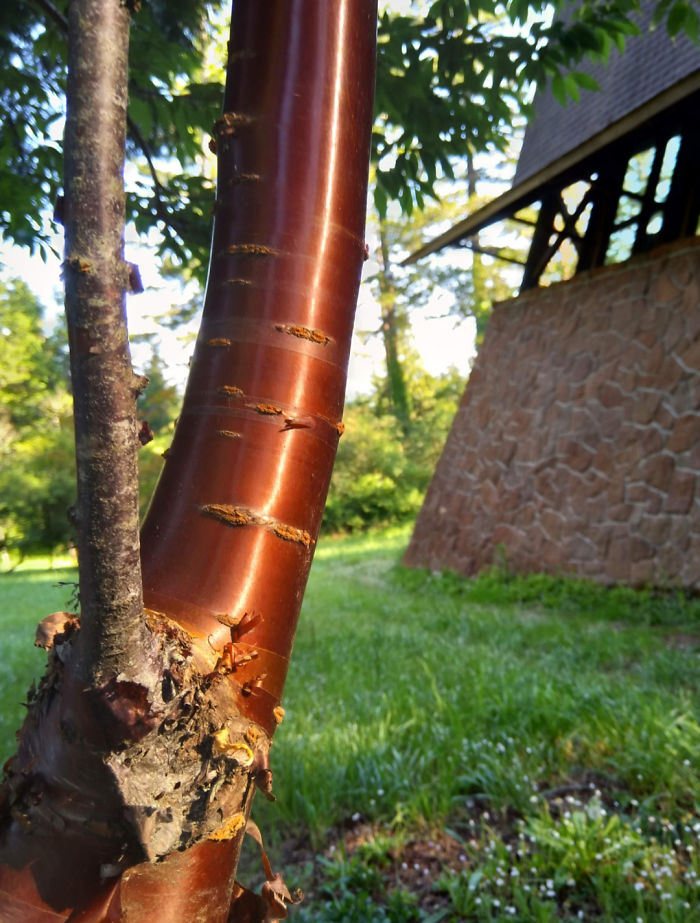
(614, 174)
(638, 192)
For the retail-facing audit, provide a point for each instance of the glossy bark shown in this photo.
(229, 538)
(262, 413)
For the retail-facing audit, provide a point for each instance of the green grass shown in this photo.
(27, 594)
(546, 729)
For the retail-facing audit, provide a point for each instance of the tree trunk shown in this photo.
(130, 793)
(396, 378)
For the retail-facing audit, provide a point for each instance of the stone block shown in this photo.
(610, 395)
(580, 548)
(579, 367)
(553, 524)
(647, 338)
(681, 492)
(646, 500)
(620, 512)
(640, 549)
(685, 434)
(657, 471)
(645, 404)
(689, 355)
(576, 455)
(674, 332)
(655, 361)
(663, 289)
(672, 371)
(655, 529)
(610, 421)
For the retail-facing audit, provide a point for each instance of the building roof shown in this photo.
(654, 73)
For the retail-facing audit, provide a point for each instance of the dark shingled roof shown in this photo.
(651, 64)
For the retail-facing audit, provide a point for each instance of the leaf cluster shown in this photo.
(171, 105)
(381, 471)
(457, 78)
(454, 77)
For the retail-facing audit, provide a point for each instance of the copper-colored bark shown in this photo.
(229, 538)
(234, 519)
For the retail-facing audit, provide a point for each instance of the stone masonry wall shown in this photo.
(577, 443)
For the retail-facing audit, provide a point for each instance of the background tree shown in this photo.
(380, 473)
(37, 464)
(463, 288)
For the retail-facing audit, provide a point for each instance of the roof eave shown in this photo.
(530, 190)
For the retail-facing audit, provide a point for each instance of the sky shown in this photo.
(440, 342)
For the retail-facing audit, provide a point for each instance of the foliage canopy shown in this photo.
(453, 77)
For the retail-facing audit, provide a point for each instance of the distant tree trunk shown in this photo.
(391, 336)
(130, 793)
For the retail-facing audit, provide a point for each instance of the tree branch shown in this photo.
(113, 635)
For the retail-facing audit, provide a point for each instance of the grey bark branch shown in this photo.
(113, 632)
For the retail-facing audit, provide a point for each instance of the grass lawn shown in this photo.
(498, 749)
(35, 588)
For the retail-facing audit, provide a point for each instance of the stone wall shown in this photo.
(576, 448)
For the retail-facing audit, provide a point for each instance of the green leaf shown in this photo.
(572, 87)
(585, 80)
(559, 89)
(682, 18)
(380, 200)
(660, 12)
(692, 24)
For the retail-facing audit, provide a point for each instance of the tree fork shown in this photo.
(130, 793)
